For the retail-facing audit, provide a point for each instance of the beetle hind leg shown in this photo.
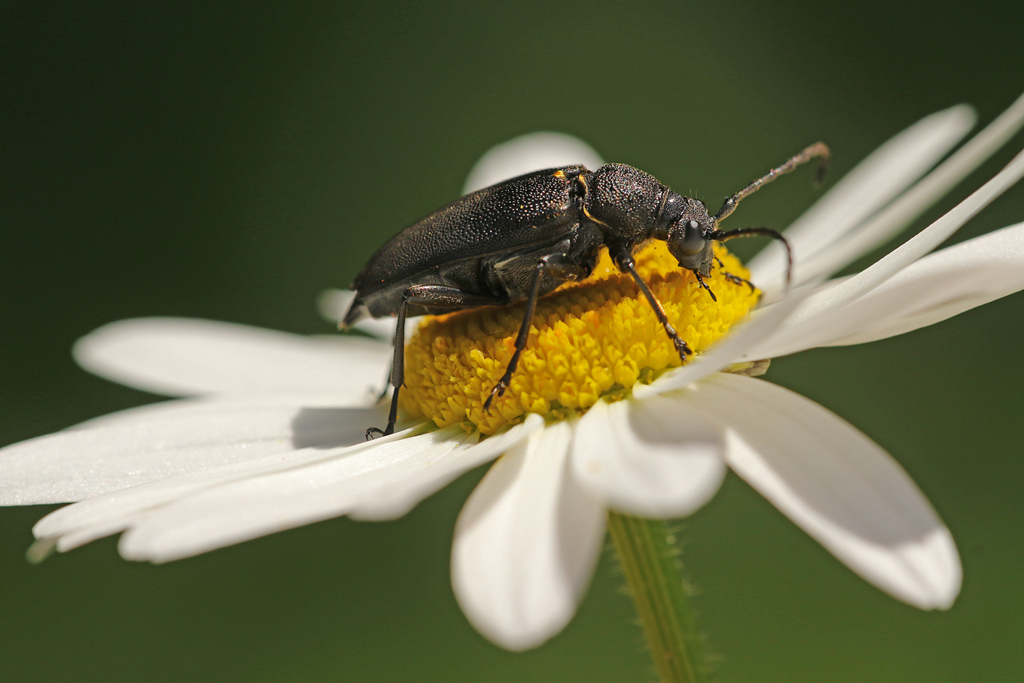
(434, 297)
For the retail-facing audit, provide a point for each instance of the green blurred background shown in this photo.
(231, 161)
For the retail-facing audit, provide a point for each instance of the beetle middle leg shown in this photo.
(563, 268)
(434, 297)
(624, 260)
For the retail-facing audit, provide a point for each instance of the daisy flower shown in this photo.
(599, 416)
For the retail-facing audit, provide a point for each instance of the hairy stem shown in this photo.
(654, 575)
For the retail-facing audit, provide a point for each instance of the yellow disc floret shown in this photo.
(588, 340)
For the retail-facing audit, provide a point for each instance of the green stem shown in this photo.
(654, 575)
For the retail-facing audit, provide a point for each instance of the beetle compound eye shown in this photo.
(689, 240)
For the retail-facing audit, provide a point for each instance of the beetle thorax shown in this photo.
(626, 198)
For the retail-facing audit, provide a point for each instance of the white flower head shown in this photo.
(270, 435)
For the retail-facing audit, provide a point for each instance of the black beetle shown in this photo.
(522, 238)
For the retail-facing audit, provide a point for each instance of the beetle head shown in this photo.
(687, 230)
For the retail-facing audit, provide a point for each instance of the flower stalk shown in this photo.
(649, 557)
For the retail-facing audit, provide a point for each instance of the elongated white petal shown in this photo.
(333, 304)
(167, 440)
(186, 357)
(367, 486)
(839, 487)
(384, 328)
(736, 347)
(530, 152)
(649, 458)
(869, 186)
(526, 544)
(813, 323)
(915, 201)
(405, 492)
(172, 411)
(937, 287)
(80, 535)
(259, 505)
(375, 489)
(117, 510)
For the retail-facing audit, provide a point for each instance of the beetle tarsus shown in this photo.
(734, 279)
(498, 390)
(682, 347)
(737, 280)
(704, 285)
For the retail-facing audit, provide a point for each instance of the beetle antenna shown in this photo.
(723, 235)
(817, 150)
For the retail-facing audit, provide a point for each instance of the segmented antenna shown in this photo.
(817, 150)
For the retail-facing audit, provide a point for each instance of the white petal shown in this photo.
(839, 487)
(530, 152)
(259, 505)
(740, 345)
(384, 328)
(79, 536)
(650, 458)
(404, 492)
(184, 357)
(814, 322)
(167, 440)
(172, 410)
(114, 511)
(869, 186)
(333, 304)
(937, 287)
(526, 544)
(909, 206)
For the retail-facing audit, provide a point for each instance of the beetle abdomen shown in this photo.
(529, 209)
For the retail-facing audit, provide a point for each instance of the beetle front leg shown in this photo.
(625, 262)
(704, 285)
(563, 268)
(437, 297)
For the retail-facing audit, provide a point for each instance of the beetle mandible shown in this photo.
(522, 238)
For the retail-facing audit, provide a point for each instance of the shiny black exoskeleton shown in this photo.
(522, 238)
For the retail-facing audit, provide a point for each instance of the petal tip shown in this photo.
(333, 304)
(530, 152)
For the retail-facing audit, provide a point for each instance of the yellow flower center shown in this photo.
(588, 340)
